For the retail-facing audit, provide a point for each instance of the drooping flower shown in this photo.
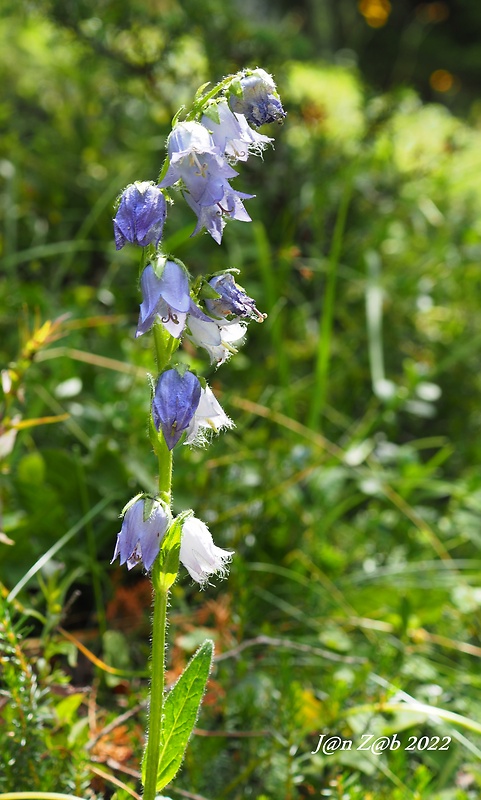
(209, 416)
(198, 553)
(233, 299)
(166, 297)
(213, 217)
(231, 133)
(215, 336)
(141, 215)
(260, 101)
(175, 401)
(143, 527)
(198, 163)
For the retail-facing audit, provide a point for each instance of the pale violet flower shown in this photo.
(204, 173)
(175, 401)
(215, 336)
(143, 527)
(141, 215)
(166, 298)
(198, 163)
(259, 102)
(198, 553)
(209, 416)
(233, 300)
(213, 217)
(231, 133)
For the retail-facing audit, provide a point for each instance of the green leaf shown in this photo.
(200, 91)
(181, 709)
(176, 116)
(66, 709)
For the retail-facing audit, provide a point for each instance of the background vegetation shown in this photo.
(350, 488)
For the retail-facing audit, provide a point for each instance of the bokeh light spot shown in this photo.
(375, 12)
(441, 80)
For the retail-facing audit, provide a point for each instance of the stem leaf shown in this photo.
(181, 709)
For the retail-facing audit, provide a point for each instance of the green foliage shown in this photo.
(38, 739)
(181, 710)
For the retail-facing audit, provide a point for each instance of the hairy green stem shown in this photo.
(154, 740)
(164, 347)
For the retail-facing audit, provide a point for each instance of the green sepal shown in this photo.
(232, 270)
(158, 264)
(180, 264)
(181, 709)
(212, 112)
(131, 503)
(235, 87)
(164, 576)
(162, 173)
(207, 292)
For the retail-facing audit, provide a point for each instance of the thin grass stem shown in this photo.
(321, 374)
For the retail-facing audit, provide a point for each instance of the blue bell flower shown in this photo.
(174, 404)
(141, 215)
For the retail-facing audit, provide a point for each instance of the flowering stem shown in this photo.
(164, 347)
(152, 751)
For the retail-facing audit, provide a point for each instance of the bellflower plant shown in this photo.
(212, 313)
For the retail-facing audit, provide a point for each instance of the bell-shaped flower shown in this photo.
(198, 553)
(141, 215)
(231, 133)
(174, 404)
(233, 300)
(259, 101)
(213, 217)
(166, 298)
(198, 163)
(143, 527)
(214, 336)
(209, 417)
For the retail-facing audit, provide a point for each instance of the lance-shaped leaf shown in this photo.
(181, 709)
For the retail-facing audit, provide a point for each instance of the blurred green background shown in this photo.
(350, 488)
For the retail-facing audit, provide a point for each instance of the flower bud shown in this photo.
(260, 102)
